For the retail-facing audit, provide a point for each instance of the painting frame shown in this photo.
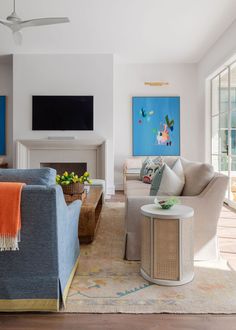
(156, 126)
(3, 110)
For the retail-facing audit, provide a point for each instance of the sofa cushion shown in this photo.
(197, 177)
(43, 176)
(138, 190)
(168, 181)
(136, 184)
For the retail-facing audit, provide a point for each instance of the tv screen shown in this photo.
(67, 113)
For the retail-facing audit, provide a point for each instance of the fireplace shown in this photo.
(44, 152)
(78, 168)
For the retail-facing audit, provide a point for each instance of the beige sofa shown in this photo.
(207, 206)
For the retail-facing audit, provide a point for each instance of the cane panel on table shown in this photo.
(166, 251)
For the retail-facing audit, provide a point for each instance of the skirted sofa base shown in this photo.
(39, 304)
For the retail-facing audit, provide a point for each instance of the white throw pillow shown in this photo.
(168, 181)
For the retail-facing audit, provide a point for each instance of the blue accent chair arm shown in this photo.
(74, 209)
(67, 231)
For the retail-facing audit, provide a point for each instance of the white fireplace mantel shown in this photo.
(31, 153)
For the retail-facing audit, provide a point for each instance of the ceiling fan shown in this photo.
(15, 23)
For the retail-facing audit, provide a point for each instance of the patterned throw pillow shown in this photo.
(150, 169)
(145, 162)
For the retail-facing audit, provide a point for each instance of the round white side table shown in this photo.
(167, 244)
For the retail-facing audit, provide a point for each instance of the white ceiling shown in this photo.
(135, 30)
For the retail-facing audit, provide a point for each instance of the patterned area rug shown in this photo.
(105, 283)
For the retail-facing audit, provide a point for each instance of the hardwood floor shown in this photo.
(118, 197)
(227, 236)
(117, 322)
(227, 245)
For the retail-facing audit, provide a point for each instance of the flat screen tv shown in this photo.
(67, 113)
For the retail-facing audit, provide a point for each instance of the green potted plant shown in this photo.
(86, 181)
(71, 183)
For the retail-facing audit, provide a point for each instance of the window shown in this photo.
(223, 125)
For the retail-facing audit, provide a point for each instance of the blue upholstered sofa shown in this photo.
(38, 276)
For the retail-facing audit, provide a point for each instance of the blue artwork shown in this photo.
(2, 125)
(156, 126)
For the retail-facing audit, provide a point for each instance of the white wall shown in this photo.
(6, 89)
(94, 74)
(65, 75)
(222, 52)
(129, 81)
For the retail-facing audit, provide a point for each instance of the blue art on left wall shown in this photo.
(2, 125)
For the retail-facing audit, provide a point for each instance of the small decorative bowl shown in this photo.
(166, 204)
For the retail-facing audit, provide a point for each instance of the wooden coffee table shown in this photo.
(90, 214)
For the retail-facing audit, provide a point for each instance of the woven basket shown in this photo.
(73, 188)
(71, 198)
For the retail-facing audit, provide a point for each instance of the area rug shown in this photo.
(105, 283)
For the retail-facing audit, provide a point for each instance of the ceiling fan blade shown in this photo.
(6, 23)
(14, 27)
(44, 21)
(17, 36)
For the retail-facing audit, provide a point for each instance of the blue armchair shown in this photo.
(38, 276)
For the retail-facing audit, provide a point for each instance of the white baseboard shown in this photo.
(119, 186)
(110, 190)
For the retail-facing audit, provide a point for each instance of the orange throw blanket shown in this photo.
(10, 219)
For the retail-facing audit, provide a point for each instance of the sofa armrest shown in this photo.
(67, 215)
(133, 163)
(74, 209)
(217, 186)
(67, 236)
(211, 197)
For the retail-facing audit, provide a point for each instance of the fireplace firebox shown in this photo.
(78, 168)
